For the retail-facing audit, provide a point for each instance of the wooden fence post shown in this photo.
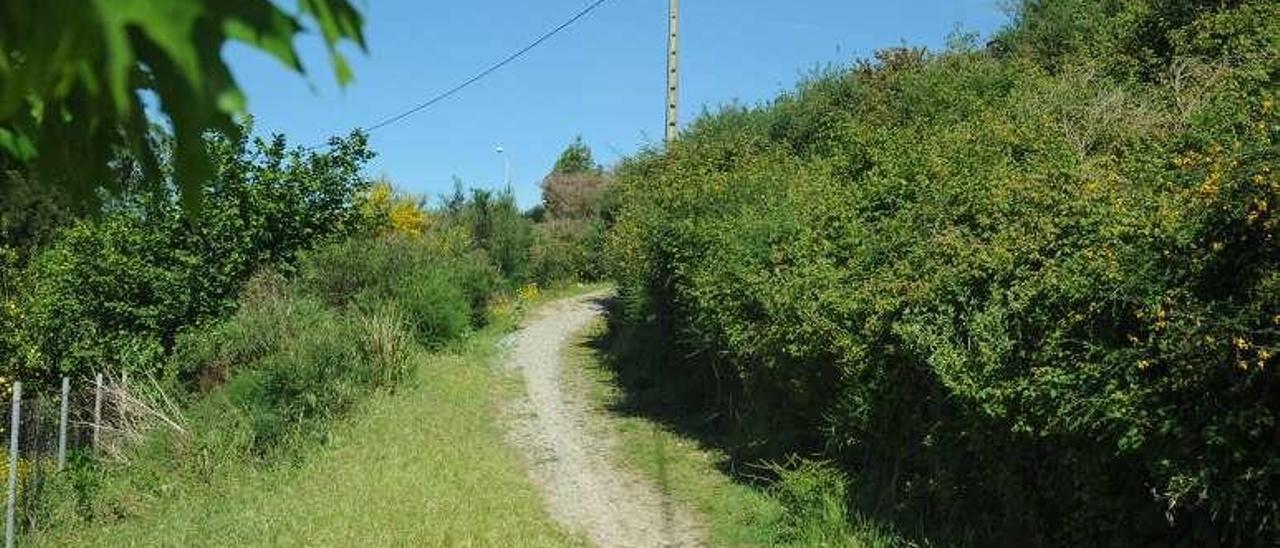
(62, 423)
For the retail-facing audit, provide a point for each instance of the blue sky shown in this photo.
(602, 79)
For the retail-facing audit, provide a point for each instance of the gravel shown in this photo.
(569, 458)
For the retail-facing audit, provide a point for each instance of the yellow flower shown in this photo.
(1143, 365)
(1211, 183)
(407, 218)
(1241, 343)
(528, 292)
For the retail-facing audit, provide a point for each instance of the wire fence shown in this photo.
(48, 427)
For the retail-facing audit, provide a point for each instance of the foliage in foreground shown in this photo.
(1025, 294)
(73, 75)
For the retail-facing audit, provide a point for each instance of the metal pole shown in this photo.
(15, 421)
(97, 409)
(62, 423)
(673, 71)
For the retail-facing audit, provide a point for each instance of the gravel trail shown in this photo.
(569, 456)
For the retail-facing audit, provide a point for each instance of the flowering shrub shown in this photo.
(528, 292)
(394, 212)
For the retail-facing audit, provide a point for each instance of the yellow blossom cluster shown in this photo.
(528, 292)
(1250, 356)
(403, 215)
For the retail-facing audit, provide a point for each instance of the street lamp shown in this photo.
(507, 161)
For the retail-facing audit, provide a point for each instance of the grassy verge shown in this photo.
(800, 504)
(426, 466)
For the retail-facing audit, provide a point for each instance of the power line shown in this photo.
(486, 72)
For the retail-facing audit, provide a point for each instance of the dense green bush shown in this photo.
(309, 348)
(566, 250)
(495, 226)
(1024, 294)
(441, 287)
(306, 344)
(577, 206)
(114, 292)
(261, 386)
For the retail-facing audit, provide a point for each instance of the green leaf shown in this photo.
(17, 145)
(72, 72)
(266, 28)
(341, 69)
(338, 20)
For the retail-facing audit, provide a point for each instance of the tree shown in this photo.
(74, 74)
(30, 213)
(575, 159)
(576, 196)
(574, 188)
(498, 228)
(117, 289)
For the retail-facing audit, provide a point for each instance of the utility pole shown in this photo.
(673, 71)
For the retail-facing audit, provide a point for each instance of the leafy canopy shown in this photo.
(76, 78)
(575, 159)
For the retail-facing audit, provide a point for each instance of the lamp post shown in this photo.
(507, 162)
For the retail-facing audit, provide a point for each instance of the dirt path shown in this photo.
(569, 457)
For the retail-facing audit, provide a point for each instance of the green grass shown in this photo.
(427, 466)
(734, 512)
